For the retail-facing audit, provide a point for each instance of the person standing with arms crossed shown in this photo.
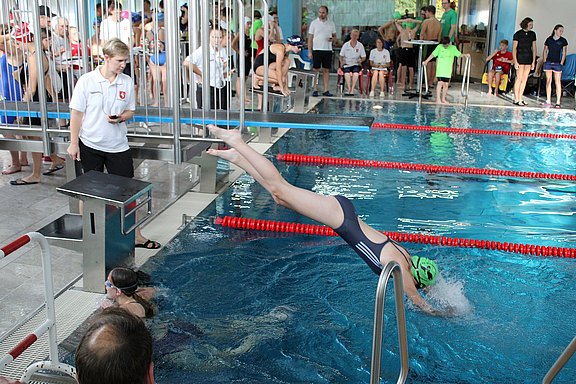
(449, 21)
(102, 101)
(321, 33)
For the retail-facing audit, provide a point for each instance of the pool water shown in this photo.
(257, 307)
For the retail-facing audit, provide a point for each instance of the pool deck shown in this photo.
(28, 208)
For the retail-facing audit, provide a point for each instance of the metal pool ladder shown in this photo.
(466, 81)
(389, 269)
(559, 364)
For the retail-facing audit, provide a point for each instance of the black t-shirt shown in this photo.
(524, 39)
(555, 48)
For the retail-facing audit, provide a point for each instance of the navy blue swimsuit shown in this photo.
(351, 232)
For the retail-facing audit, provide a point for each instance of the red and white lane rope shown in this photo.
(430, 168)
(472, 131)
(322, 230)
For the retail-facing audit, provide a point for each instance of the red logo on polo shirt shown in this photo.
(122, 95)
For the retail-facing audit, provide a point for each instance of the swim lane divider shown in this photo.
(471, 131)
(430, 168)
(322, 230)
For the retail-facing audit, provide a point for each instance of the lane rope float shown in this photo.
(430, 168)
(323, 230)
(472, 131)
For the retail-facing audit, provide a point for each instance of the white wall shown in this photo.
(546, 14)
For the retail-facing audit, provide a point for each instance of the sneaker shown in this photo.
(371, 93)
(327, 93)
(382, 94)
(315, 93)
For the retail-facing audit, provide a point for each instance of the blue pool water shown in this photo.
(255, 307)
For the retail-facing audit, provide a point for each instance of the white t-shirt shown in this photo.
(97, 98)
(218, 65)
(122, 30)
(351, 55)
(322, 31)
(379, 57)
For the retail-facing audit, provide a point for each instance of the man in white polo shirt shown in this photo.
(321, 33)
(102, 101)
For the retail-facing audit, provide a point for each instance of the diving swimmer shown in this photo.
(337, 212)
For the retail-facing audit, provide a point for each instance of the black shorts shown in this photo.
(119, 163)
(524, 59)
(427, 51)
(406, 57)
(444, 79)
(352, 69)
(321, 59)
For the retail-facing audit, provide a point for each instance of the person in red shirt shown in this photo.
(501, 65)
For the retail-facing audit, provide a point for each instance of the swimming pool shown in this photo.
(257, 307)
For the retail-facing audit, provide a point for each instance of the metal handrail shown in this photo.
(49, 325)
(466, 80)
(390, 268)
(559, 364)
(425, 75)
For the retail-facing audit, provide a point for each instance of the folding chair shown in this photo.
(504, 80)
(340, 81)
(569, 75)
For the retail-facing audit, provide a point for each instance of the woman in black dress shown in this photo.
(524, 57)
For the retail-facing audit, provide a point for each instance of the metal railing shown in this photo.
(559, 364)
(425, 76)
(49, 326)
(466, 80)
(389, 269)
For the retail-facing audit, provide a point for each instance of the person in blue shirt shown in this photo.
(554, 55)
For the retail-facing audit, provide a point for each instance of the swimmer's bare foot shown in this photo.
(445, 102)
(227, 154)
(230, 136)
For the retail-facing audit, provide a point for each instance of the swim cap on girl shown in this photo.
(424, 270)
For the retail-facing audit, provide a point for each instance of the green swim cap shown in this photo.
(397, 15)
(424, 271)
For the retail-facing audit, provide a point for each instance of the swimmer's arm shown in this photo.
(422, 304)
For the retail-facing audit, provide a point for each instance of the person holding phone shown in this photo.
(102, 101)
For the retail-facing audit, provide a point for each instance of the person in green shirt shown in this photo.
(449, 21)
(255, 26)
(444, 54)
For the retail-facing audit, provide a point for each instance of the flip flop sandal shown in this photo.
(22, 182)
(11, 170)
(53, 169)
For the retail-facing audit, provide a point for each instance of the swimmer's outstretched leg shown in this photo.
(324, 209)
